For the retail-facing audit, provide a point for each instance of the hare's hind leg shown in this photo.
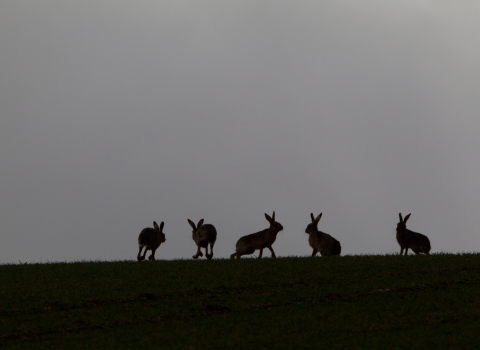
(199, 253)
(240, 252)
(152, 256)
(145, 252)
(139, 257)
(424, 250)
(273, 253)
(209, 256)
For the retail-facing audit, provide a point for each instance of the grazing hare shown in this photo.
(408, 239)
(203, 235)
(320, 241)
(259, 240)
(150, 238)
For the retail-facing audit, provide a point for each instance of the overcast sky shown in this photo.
(115, 114)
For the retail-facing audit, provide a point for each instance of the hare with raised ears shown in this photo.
(408, 239)
(203, 235)
(150, 239)
(320, 241)
(259, 240)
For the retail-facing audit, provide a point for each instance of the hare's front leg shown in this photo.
(261, 252)
(273, 253)
(315, 251)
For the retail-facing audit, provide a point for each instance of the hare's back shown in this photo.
(330, 246)
(419, 239)
(207, 234)
(253, 240)
(147, 236)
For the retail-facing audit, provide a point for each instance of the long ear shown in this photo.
(317, 219)
(191, 224)
(200, 223)
(269, 219)
(406, 218)
(312, 217)
(400, 217)
(156, 226)
(273, 217)
(161, 226)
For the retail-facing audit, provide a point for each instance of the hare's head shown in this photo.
(195, 229)
(402, 225)
(160, 231)
(273, 224)
(313, 227)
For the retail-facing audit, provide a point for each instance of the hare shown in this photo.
(259, 240)
(408, 239)
(203, 235)
(320, 241)
(150, 238)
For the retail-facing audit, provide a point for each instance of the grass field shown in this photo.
(340, 302)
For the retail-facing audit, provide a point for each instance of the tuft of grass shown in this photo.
(382, 301)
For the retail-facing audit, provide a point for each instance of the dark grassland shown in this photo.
(339, 302)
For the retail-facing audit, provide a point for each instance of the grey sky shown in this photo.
(115, 114)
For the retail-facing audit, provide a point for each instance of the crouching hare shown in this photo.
(320, 241)
(150, 239)
(408, 239)
(203, 235)
(259, 240)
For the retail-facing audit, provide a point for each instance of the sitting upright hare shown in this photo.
(320, 241)
(150, 238)
(408, 239)
(203, 235)
(259, 240)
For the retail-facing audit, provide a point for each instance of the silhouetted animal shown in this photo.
(408, 239)
(203, 235)
(150, 238)
(259, 240)
(320, 241)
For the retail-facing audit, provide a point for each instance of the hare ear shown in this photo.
(269, 219)
(200, 223)
(273, 217)
(312, 217)
(400, 217)
(156, 226)
(317, 219)
(161, 226)
(191, 224)
(406, 218)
